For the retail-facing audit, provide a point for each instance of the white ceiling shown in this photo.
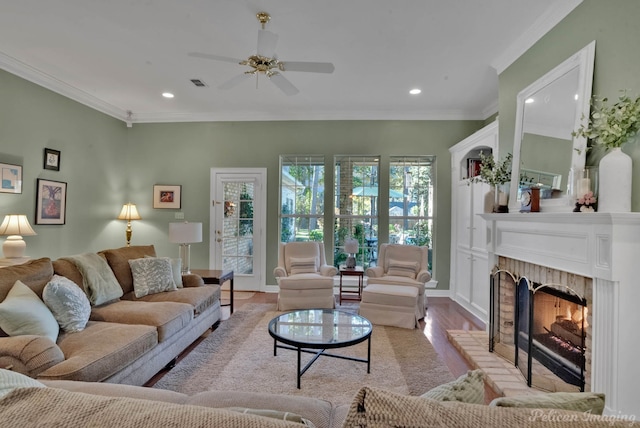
(118, 56)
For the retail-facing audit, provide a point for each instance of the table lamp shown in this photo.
(15, 226)
(351, 248)
(185, 234)
(129, 212)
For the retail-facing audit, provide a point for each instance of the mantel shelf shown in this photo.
(565, 217)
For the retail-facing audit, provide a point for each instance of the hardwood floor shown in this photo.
(442, 314)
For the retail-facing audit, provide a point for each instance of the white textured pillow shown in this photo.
(176, 268)
(11, 380)
(401, 268)
(23, 313)
(68, 303)
(303, 265)
(152, 275)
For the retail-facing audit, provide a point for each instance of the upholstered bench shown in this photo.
(390, 304)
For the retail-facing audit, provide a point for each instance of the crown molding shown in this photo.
(542, 26)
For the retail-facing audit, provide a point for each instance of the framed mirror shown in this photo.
(547, 112)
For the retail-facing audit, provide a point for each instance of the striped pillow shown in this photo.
(400, 268)
(303, 265)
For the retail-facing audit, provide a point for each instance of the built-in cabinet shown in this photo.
(469, 276)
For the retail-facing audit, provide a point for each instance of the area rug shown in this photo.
(238, 356)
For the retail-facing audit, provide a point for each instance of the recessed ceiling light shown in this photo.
(415, 91)
(167, 95)
(529, 100)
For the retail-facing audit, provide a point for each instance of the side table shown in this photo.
(217, 276)
(355, 271)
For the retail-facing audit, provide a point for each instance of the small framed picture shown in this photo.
(167, 196)
(11, 178)
(51, 202)
(52, 159)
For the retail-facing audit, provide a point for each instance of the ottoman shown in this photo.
(390, 304)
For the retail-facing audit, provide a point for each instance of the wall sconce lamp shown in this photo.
(129, 212)
(185, 234)
(15, 226)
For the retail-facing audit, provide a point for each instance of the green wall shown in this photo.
(614, 26)
(107, 164)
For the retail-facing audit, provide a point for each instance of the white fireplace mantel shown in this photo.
(602, 246)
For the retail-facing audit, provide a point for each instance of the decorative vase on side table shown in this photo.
(615, 182)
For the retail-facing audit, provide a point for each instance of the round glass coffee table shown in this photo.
(315, 330)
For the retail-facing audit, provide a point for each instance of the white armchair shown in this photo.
(402, 265)
(304, 278)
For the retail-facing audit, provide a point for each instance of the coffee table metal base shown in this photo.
(318, 352)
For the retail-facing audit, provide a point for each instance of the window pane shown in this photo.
(302, 197)
(356, 207)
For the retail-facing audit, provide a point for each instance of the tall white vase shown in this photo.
(615, 182)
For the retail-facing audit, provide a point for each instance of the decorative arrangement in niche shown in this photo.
(496, 174)
(611, 126)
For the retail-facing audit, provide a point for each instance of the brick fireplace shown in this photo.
(597, 254)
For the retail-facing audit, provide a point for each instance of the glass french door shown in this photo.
(237, 240)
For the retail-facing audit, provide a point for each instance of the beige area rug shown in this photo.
(238, 355)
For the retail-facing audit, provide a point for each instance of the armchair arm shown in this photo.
(374, 272)
(423, 276)
(192, 280)
(29, 355)
(279, 272)
(327, 270)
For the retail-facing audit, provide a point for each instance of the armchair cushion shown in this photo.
(402, 268)
(303, 265)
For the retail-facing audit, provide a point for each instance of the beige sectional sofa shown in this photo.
(127, 340)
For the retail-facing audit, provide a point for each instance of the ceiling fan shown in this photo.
(265, 62)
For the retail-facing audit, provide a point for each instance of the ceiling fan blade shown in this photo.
(285, 86)
(267, 43)
(234, 81)
(312, 67)
(214, 57)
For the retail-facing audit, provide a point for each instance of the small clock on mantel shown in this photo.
(525, 200)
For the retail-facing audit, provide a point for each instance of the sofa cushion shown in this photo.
(586, 402)
(23, 313)
(468, 388)
(402, 268)
(168, 317)
(34, 273)
(101, 350)
(29, 354)
(200, 298)
(303, 265)
(119, 258)
(68, 269)
(151, 275)
(10, 380)
(67, 302)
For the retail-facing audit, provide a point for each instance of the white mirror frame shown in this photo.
(584, 61)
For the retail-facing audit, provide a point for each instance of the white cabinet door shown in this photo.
(463, 278)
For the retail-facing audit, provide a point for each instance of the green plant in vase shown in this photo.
(495, 173)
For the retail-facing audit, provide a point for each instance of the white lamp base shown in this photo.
(14, 246)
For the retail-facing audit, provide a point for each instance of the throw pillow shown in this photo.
(68, 303)
(10, 380)
(23, 313)
(151, 275)
(401, 268)
(468, 388)
(302, 265)
(98, 280)
(274, 414)
(590, 402)
(176, 268)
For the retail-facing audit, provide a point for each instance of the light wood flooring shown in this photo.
(442, 314)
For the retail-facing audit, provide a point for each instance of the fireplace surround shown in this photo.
(595, 251)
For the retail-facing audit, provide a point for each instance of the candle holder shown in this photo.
(585, 189)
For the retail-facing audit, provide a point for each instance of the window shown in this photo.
(411, 201)
(356, 207)
(301, 198)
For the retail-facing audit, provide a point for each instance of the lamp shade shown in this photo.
(16, 224)
(129, 212)
(351, 246)
(185, 233)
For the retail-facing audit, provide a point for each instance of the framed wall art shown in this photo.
(11, 178)
(52, 159)
(51, 202)
(167, 196)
